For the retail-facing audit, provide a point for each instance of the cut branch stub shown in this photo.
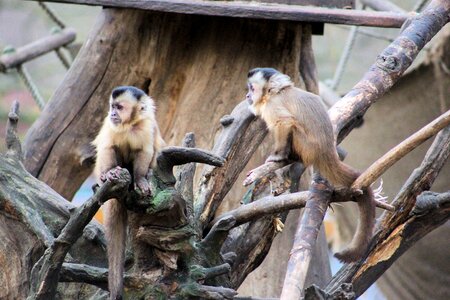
(174, 156)
(12, 140)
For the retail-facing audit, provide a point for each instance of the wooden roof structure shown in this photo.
(291, 10)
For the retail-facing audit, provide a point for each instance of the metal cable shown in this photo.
(23, 73)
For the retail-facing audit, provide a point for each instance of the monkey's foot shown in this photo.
(143, 186)
(112, 174)
(279, 226)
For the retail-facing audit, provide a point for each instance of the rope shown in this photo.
(344, 58)
(62, 58)
(52, 14)
(23, 73)
(420, 5)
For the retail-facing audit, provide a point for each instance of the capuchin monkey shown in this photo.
(129, 138)
(303, 132)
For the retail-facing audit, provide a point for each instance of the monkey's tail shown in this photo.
(116, 226)
(342, 174)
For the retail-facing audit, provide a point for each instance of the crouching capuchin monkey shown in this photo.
(303, 131)
(129, 138)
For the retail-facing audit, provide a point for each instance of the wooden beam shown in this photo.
(257, 11)
(36, 48)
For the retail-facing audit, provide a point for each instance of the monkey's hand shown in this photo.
(143, 185)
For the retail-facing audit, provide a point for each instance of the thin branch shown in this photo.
(372, 173)
(45, 273)
(265, 206)
(12, 140)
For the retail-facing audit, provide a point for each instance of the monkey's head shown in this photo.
(265, 82)
(128, 105)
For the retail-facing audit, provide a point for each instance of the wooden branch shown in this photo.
(71, 272)
(388, 243)
(45, 273)
(305, 240)
(174, 156)
(383, 5)
(265, 206)
(240, 137)
(389, 67)
(263, 170)
(198, 273)
(36, 49)
(372, 173)
(251, 241)
(198, 291)
(260, 11)
(13, 144)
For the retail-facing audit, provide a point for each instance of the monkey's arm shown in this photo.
(282, 131)
(106, 160)
(141, 165)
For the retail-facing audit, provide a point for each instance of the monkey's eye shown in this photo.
(119, 107)
(250, 87)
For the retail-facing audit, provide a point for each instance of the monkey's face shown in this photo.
(120, 112)
(255, 93)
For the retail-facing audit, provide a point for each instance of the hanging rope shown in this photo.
(23, 73)
(344, 58)
(420, 5)
(54, 17)
(52, 14)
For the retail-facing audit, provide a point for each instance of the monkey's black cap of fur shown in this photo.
(137, 93)
(267, 72)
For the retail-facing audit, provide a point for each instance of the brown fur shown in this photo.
(299, 116)
(132, 144)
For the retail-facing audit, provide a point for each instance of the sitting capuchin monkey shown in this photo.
(303, 131)
(129, 138)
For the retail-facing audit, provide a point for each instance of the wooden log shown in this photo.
(305, 240)
(36, 49)
(260, 11)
